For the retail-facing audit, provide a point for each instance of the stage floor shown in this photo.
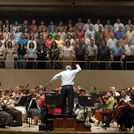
(35, 129)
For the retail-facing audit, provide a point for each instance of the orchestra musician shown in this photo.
(116, 94)
(92, 92)
(42, 105)
(33, 108)
(9, 107)
(5, 118)
(80, 110)
(124, 96)
(99, 103)
(124, 111)
(128, 90)
(104, 114)
(19, 95)
(113, 90)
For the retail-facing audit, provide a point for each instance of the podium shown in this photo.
(65, 122)
(61, 122)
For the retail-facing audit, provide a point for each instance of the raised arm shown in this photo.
(55, 77)
(78, 69)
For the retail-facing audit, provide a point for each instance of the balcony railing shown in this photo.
(60, 64)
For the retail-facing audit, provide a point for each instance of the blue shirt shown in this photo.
(118, 34)
(79, 106)
(132, 41)
(117, 50)
(24, 42)
(17, 36)
(40, 42)
(50, 27)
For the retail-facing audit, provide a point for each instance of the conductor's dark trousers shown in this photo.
(67, 93)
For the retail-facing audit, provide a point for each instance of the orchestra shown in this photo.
(113, 106)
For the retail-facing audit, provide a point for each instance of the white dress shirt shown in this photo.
(67, 76)
(86, 26)
(129, 50)
(130, 35)
(117, 93)
(62, 36)
(72, 42)
(96, 27)
(34, 42)
(127, 98)
(6, 35)
(127, 27)
(90, 32)
(87, 41)
(92, 50)
(111, 43)
(116, 27)
(3, 41)
(10, 103)
(2, 48)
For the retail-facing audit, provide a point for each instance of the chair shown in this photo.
(2, 124)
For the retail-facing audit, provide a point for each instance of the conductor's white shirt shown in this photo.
(67, 76)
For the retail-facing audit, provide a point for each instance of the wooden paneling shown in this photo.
(68, 124)
(86, 78)
(67, 7)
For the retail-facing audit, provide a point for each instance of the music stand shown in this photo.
(50, 93)
(25, 100)
(85, 101)
(53, 100)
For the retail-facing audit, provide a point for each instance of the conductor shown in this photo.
(67, 91)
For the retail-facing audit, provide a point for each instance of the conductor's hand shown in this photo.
(76, 65)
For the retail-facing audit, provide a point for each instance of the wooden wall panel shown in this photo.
(86, 78)
(70, 7)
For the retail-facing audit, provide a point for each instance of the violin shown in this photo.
(105, 97)
(102, 99)
(9, 97)
(35, 96)
(4, 98)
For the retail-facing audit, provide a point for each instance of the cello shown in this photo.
(120, 109)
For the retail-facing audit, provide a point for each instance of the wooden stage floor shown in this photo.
(35, 130)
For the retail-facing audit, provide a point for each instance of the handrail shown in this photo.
(85, 64)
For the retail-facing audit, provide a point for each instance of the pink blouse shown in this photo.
(31, 27)
(80, 34)
(48, 43)
(67, 52)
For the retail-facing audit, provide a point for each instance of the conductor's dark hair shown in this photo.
(82, 90)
